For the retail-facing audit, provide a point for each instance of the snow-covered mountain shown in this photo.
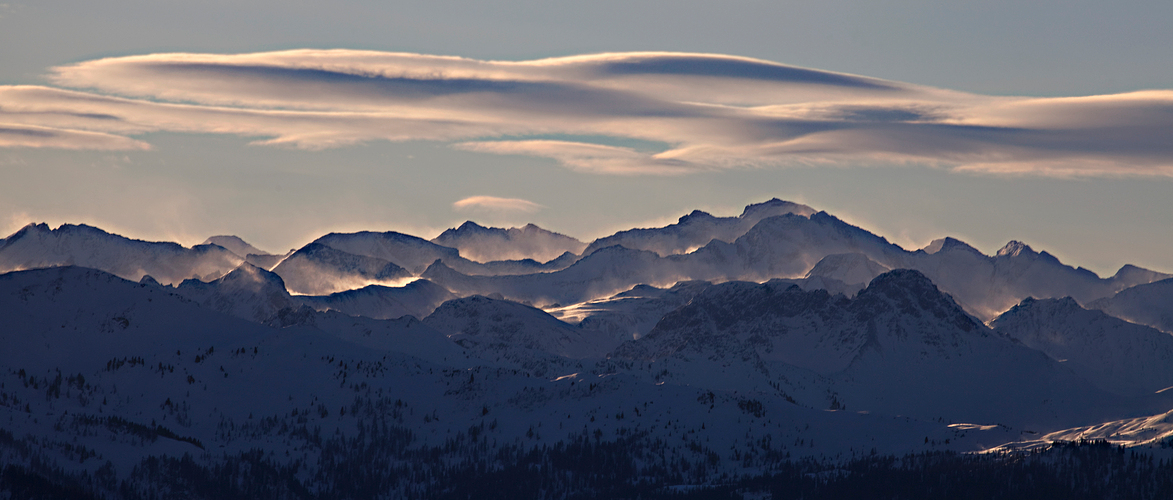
(697, 229)
(601, 274)
(988, 285)
(317, 269)
(247, 292)
(790, 246)
(416, 254)
(534, 339)
(1113, 354)
(767, 246)
(785, 246)
(418, 298)
(36, 245)
(255, 294)
(485, 244)
(235, 245)
(848, 267)
(410, 252)
(629, 314)
(899, 347)
(267, 261)
(1148, 304)
(133, 379)
(251, 254)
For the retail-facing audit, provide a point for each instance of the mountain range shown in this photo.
(381, 364)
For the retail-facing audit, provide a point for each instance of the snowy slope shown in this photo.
(1148, 430)
(36, 245)
(485, 244)
(1149, 304)
(1114, 354)
(317, 269)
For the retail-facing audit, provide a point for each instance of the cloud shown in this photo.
(713, 111)
(495, 204)
(13, 135)
(586, 157)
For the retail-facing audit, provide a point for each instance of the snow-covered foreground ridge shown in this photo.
(697, 353)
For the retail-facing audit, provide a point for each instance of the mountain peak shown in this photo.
(234, 244)
(470, 226)
(1015, 248)
(848, 267)
(487, 244)
(694, 216)
(1065, 305)
(1134, 275)
(911, 293)
(32, 227)
(948, 243)
(246, 272)
(903, 278)
(775, 204)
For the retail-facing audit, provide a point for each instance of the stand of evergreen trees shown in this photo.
(381, 463)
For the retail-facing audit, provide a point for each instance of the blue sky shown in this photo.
(931, 132)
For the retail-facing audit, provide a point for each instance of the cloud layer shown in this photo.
(712, 111)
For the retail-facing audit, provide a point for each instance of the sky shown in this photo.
(1045, 122)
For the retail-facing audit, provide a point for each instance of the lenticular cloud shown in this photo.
(711, 111)
(496, 204)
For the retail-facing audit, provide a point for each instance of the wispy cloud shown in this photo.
(714, 111)
(594, 158)
(495, 204)
(15, 135)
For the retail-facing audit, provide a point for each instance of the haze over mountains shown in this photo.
(728, 345)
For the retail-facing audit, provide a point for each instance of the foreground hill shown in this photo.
(119, 386)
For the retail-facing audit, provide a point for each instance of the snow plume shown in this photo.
(495, 204)
(711, 111)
